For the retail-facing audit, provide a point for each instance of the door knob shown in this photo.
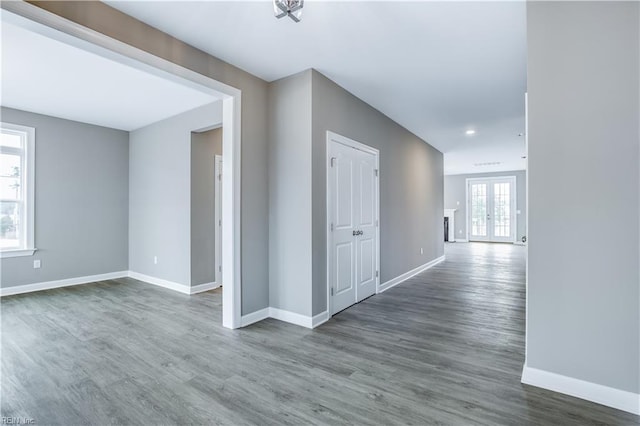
(355, 233)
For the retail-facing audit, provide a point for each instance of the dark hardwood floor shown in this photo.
(445, 347)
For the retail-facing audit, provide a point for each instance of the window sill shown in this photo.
(17, 253)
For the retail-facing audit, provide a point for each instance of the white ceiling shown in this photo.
(47, 76)
(437, 68)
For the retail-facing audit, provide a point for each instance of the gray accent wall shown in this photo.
(204, 147)
(455, 188)
(290, 257)
(584, 186)
(81, 203)
(254, 221)
(411, 185)
(160, 194)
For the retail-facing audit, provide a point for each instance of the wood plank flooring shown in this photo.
(445, 347)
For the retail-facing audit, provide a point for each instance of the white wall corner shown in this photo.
(291, 317)
(401, 278)
(604, 395)
(254, 317)
(321, 318)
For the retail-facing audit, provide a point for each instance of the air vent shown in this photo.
(491, 163)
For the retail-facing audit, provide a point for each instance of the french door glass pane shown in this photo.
(502, 209)
(479, 209)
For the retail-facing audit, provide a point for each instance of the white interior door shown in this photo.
(492, 209)
(353, 216)
(366, 240)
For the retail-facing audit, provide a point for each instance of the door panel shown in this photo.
(491, 211)
(366, 254)
(345, 259)
(353, 212)
(478, 194)
(343, 254)
(367, 190)
(501, 211)
(344, 191)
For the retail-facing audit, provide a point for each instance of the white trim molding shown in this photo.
(17, 253)
(200, 288)
(291, 317)
(253, 317)
(286, 316)
(321, 318)
(412, 273)
(461, 240)
(171, 285)
(600, 394)
(48, 285)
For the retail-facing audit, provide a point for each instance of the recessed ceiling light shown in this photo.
(470, 132)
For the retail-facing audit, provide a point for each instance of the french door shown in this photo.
(491, 209)
(352, 197)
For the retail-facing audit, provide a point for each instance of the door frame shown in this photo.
(56, 27)
(217, 184)
(514, 204)
(334, 137)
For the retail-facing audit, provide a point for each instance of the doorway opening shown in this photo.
(58, 28)
(491, 212)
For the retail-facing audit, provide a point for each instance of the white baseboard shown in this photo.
(519, 243)
(291, 317)
(160, 282)
(203, 287)
(460, 240)
(254, 317)
(286, 316)
(321, 318)
(611, 397)
(48, 285)
(401, 278)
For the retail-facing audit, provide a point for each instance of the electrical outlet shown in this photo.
(457, 203)
(155, 260)
(421, 250)
(36, 264)
(459, 231)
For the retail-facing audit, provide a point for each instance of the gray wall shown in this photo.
(290, 260)
(254, 222)
(455, 198)
(411, 184)
(160, 194)
(204, 147)
(81, 203)
(583, 289)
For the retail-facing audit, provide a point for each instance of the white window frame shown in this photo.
(27, 247)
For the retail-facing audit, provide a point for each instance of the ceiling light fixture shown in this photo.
(470, 132)
(290, 8)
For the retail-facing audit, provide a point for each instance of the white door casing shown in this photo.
(491, 208)
(218, 218)
(352, 214)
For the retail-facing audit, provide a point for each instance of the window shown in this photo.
(17, 153)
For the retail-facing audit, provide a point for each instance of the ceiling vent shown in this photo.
(491, 163)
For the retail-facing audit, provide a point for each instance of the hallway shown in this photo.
(446, 346)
